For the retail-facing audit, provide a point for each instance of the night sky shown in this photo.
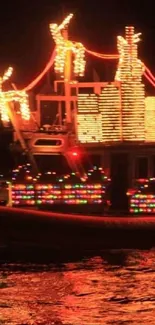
(26, 43)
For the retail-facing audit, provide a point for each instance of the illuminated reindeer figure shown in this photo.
(129, 66)
(63, 45)
(10, 96)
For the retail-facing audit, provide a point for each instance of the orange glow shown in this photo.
(63, 45)
(11, 96)
(113, 112)
(99, 116)
(150, 118)
(57, 194)
(103, 56)
(129, 72)
(116, 114)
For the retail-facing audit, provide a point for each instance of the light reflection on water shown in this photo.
(117, 287)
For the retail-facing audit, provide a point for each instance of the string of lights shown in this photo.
(63, 189)
(148, 72)
(65, 47)
(7, 97)
(149, 79)
(42, 74)
(142, 197)
(103, 56)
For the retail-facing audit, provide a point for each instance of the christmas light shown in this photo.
(129, 72)
(79, 59)
(7, 74)
(99, 116)
(64, 189)
(110, 110)
(103, 56)
(142, 197)
(11, 96)
(57, 194)
(63, 46)
(150, 118)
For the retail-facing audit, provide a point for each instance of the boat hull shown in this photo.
(39, 234)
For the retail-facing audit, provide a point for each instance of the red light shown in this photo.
(75, 154)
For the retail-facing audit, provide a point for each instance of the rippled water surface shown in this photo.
(116, 287)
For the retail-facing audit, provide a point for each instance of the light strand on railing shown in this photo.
(149, 79)
(42, 74)
(149, 73)
(103, 56)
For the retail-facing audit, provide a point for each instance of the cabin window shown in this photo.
(46, 142)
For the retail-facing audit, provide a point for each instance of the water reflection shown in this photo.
(115, 257)
(116, 287)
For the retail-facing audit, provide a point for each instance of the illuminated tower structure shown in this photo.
(129, 73)
(69, 60)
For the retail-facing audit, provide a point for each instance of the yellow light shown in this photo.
(150, 118)
(129, 73)
(63, 45)
(118, 112)
(11, 96)
(65, 22)
(7, 74)
(99, 116)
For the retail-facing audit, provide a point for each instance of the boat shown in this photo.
(111, 124)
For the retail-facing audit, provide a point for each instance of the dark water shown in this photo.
(116, 287)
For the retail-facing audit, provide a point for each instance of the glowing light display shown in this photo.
(110, 110)
(150, 118)
(118, 113)
(11, 96)
(89, 119)
(99, 116)
(123, 114)
(142, 203)
(64, 46)
(6, 75)
(89, 128)
(64, 189)
(142, 197)
(129, 72)
(57, 194)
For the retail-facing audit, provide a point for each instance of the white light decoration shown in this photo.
(110, 110)
(129, 72)
(89, 128)
(63, 46)
(7, 97)
(24, 105)
(7, 74)
(122, 108)
(99, 116)
(4, 111)
(150, 118)
(79, 59)
(89, 125)
(87, 103)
